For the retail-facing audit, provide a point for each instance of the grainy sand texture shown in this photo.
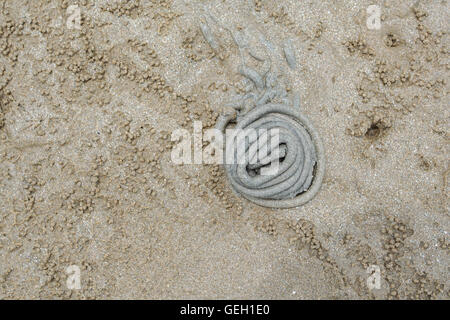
(87, 109)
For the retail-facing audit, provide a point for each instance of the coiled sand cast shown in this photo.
(299, 151)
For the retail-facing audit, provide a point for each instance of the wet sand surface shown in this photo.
(86, 177)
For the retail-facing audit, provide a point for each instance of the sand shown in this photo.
(86, 177)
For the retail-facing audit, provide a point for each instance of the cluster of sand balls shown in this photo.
(305, 233)
(121, 8)
(8, 47)
(258, 5)
(395, 234)
(360, 46)
(216, 184)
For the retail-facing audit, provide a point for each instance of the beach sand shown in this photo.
(86, 178)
